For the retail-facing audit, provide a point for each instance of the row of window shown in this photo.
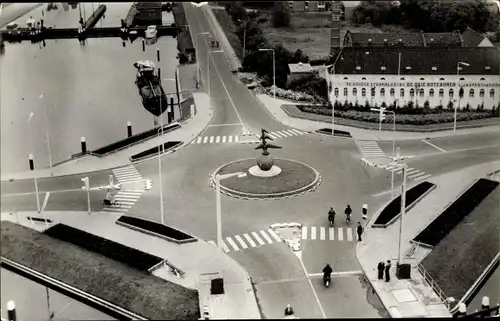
(421, 79)
(421, 92)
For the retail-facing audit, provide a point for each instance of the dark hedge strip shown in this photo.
(392, 211)
(336, 132)
(456, 212)
(155, 228)
(154, 151)
(118, 252)
(39, 219)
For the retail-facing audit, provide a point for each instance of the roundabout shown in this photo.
(291, 178)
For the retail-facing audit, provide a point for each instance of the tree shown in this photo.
(280, 14)
(236, 11)
(426, 105)
(450, 105)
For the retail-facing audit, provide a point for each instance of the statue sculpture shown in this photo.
(265, 161)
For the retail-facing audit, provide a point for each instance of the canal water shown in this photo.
(88, 90)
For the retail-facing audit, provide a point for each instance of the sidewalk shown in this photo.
(189, 130)
(413, 298)
(194, 259)
(274, 107)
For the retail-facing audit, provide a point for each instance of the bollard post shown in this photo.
(11, 311)
(123, 44)
(365, 211)
(143, 45)
(129, 129)
(462, 309)
(32, 162)
(83, 144)
(158, 54)
(170, 110)
(206, 312)
(159, 75)
(485, 305)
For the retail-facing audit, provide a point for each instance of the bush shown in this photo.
(236, 11)
(292, 95)
(280, 15)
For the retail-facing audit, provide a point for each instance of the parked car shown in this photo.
(151, 32)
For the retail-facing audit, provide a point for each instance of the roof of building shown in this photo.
(418, 61)
(300, 67)
(414, 39)
(471, 38)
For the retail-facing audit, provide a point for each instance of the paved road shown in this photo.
(32, 304)
(489, 289)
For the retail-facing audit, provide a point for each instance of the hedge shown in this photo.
(155, 228)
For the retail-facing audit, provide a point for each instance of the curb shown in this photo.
(294, 246)
(277, 196)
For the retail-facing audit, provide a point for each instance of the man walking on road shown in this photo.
(380, 268)
(359, 230)
(387, 270)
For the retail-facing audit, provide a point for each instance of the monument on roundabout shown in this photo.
(265, 163)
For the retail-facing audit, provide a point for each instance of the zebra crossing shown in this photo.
(236, 138)
(328, 233)
(257, 239)
(370, 149)
(412, 173)
(127, 174)
(248, 240)
(124, 201)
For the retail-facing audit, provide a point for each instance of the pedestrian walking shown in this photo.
(359, 230)
(288, 311)
(387, 270)
(380, 269)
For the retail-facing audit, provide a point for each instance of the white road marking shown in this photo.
(268, 239)
(217, 139)
(330, 233)
(313, 233)
(298, 132)
(198, 141)
(223, 139)
(211, 139)
(212, 242)
(249, 239)
(344, 273)
(412, 171)
(220, 125)
(431, 144)
(284, 133)
(276, 237)
(423, 177)
(225, 248)
(322, 233)
(205, 139)
(273, 136)
(236, 139)
(230, 139)
(416, 175)
(240, 240)
(340, 234)
(231, 242)
(257, 237)
(304, 232)
(349, 234)
(314, 291)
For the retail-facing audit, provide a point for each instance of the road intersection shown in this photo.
(280, 277)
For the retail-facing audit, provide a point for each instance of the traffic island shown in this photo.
(294, 178)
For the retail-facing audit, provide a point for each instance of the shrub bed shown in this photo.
(292, 95)
(39, 219)
(155, 228)
(154, 151)
(184, 41)
(118, 252)
(452, 215)
(412, 119)
(393, 210)
(335, 132)
(113, 147)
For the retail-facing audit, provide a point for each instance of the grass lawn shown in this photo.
(229, 29)
(139, 292)
(293, 176)
(460, 258)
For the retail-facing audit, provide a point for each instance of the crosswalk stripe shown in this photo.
(223, 139)
(349, 234)
(313, 233)
(129, 193)
(122, 206)
(128, 180)
(112, 209)
(257, 237)
(273, 136)
(284, 133)
(240, 240)
(121, 202)
(211, 139)
(417, 175)
(273, 234)
(236, 139)
(198, 141)
(125, 170)
(268, 239)
(205, 139)
(297, 131)
(217, 139)
(423, 177)
(289, 132)
(249, 239)
(225, 248)
(230, 139)
(124, 176)
(212, 242)
(322, 233)
(304, 232)
(399, 171)
(340, 234)
(412, 171)
(330, 232)
(231, 242)
(125, 196)
(280, 135)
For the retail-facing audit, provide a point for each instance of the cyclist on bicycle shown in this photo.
(348, 212)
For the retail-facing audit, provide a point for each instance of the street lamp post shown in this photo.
(198, 55)
(208, 68)
(244, 36)
(218, 178)
(403, 212)
(328, 85)
(32, 164)
(47, 131)
(458, 92)
(393, 155)
(274, 70)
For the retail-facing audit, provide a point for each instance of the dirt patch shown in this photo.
(460, 258)
(136, 291)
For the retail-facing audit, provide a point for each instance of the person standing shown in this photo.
(289, 312)
(359, 230)
(380, 269)
(387, 271)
